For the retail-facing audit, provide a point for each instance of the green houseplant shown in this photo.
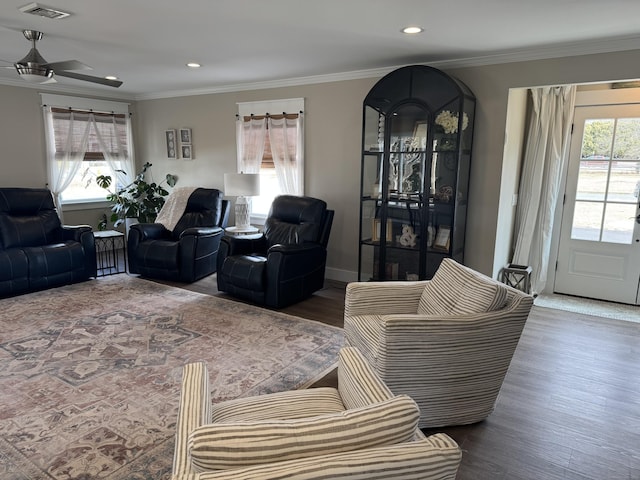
(139, 199)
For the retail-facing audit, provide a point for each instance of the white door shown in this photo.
(599, 249)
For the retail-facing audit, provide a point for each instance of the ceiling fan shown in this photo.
(35, 69)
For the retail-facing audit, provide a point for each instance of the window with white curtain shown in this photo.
(271, 144)
(83, 143)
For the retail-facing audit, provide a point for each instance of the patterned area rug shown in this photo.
(90, 373)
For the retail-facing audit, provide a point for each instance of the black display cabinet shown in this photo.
(416, 154)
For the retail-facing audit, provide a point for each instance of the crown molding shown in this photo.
(587, 47)
(511, 56)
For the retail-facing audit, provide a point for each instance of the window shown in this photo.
(271, 145)
(83, 144)
(607, 190)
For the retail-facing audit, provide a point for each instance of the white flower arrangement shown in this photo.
(449, 121)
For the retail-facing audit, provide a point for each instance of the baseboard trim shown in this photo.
(338, 275)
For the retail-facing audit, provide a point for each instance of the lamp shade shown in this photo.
(242, 184)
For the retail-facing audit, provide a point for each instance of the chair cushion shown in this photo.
(220, 446)
(58, 258)
(459, 290)
(245, 271)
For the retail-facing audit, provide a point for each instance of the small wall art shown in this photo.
(186, 143)
(187, 152)
(185, 135)
(171, 140)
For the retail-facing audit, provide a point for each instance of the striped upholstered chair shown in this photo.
(446, 342)
(358, 431)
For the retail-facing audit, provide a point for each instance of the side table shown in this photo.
(242, 231)
(111, 254)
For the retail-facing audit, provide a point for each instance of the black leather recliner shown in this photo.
(36, 251)
(287, 263)
(189, 252)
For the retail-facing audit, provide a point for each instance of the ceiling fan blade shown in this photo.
(89, 78)
(68, 65)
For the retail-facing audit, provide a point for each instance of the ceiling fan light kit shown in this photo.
(35, 69)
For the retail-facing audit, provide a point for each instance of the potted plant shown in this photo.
(139, 199)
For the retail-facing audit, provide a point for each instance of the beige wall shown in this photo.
(21, 138)
(333, 129)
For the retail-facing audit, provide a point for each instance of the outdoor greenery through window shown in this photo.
(608, 181)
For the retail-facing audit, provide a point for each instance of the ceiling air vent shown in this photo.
(42, 11)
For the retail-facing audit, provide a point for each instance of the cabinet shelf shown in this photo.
(414, 176)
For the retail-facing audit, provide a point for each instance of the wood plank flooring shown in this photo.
(569, 407)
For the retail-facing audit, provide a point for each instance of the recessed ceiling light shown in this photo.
(111, 77)
(412, 30)
(193, 65)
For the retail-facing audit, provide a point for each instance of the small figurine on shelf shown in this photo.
(408, 237)
(413, 183)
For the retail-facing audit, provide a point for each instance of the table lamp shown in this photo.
(242, 185)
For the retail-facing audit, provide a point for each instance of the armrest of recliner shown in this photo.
(383, 298)
(74, 232)
(294, 260)
(295, 249)
(149, 231)
(83, 234)
(201, 231)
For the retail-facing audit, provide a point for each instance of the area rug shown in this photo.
(90, 373)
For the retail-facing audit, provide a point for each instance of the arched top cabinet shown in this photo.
(416, 154)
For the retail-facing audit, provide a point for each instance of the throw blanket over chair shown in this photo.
(446, 342)
(359, 430)
(188, 251)
(287, 263)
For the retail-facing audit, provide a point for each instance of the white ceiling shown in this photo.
(244, 44)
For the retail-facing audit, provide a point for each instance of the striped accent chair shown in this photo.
(360, 430)
(445, 342)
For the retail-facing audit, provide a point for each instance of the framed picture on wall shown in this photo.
(171, 140)
(187, 152)
(185, 135)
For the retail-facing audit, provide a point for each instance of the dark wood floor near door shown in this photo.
(569, 407)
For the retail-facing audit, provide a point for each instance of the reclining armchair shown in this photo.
(446, 342)
(188, 251)
(36, 251)
(358, 430)
(287, 263)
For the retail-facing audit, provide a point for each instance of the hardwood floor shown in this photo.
(569, 407)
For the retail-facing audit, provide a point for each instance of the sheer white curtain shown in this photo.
(65, 148)
(111, 133)
(287, 149)
(250, 137)
(545, 155)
